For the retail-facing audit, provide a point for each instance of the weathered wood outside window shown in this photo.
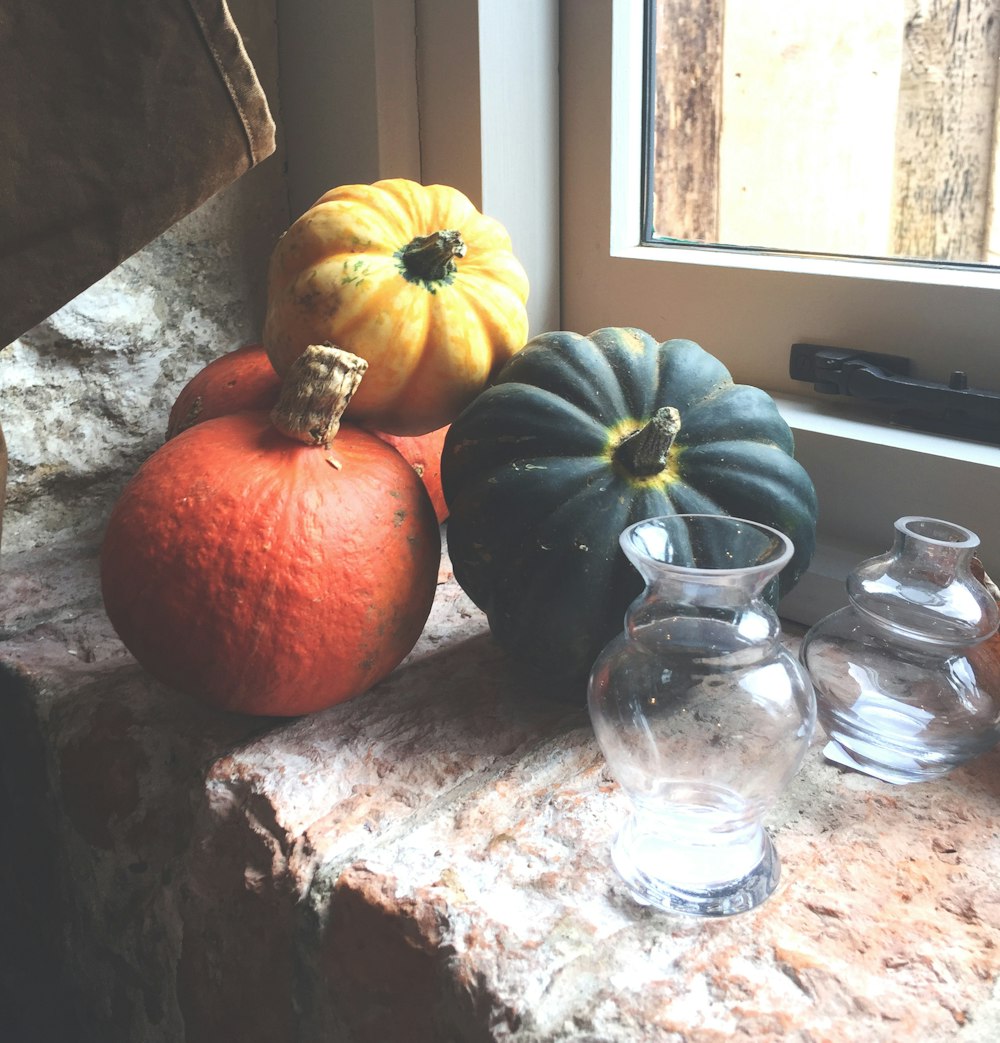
(864, 128)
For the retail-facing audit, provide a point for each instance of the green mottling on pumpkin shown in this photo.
(354, 273)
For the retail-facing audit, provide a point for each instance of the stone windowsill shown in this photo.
(429, 862)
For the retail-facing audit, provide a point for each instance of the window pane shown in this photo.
(862, 128)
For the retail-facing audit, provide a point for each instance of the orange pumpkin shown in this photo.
(412, 278)
(239, 380)
(423, 454)
(245, 379)
(267, 576)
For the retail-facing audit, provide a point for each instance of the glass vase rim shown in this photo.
(904, 526)
(771, 565)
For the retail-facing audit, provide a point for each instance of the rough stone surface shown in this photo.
(85, 394)
(430, 862)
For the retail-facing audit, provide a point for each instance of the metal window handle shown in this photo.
(953, 408)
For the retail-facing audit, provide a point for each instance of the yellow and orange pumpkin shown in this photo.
(412, 278)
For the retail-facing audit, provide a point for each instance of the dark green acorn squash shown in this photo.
(577, 438)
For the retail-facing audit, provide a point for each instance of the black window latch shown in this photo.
(953, 408)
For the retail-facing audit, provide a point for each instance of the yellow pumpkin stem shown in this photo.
(315, 392)
(430, 258)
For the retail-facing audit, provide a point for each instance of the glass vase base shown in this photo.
(647, 863)
(893, 764)
(895, 742)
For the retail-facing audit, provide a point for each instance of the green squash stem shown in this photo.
(315, 392)
(644, 452)
(430, 258)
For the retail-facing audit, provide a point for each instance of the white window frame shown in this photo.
(528, 106)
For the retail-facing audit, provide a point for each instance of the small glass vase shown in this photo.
(905, 686)
(702, 713)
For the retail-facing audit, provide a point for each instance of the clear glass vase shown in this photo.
(702, 713)
(906, 684)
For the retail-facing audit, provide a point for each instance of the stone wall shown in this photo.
(84, 396)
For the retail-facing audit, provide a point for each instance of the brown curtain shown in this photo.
(118, 118)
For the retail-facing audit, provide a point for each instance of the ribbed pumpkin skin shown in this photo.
(244, 569)
(245, 379)
(537, 502)
(336, 276)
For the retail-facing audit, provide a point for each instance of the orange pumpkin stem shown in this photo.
(316, 390)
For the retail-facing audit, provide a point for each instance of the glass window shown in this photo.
(862, 128)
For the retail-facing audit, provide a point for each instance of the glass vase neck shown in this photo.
(923, 588)
(706, 556)
(708, 569)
